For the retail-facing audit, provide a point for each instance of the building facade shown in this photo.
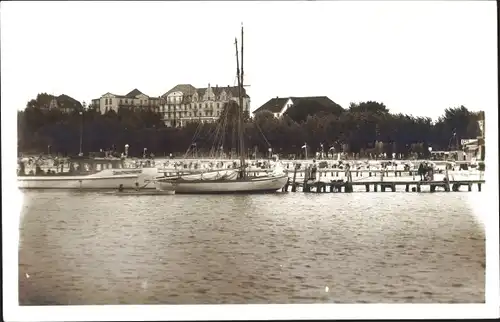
(134, 99)
(184, 103)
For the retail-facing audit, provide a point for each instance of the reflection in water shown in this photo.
(89, 248)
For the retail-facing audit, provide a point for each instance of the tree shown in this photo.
(369, 107)
(366, 127)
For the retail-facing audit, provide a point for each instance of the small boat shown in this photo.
(88, 173)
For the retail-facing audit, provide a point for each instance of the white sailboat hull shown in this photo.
(249, 185)
(106, 179)
(209, 175)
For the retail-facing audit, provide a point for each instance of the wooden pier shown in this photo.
(382, 186)
(311, 183)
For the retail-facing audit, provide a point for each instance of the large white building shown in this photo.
(184, 103)
(134, 99)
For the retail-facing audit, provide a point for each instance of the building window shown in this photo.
(211, 104)
(199, 105)
(218, 106)
(106, 101)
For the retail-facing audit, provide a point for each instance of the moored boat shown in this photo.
(235, 180)
(89, 173)
(267, 184)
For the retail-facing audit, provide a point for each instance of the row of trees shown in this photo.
(366, 127)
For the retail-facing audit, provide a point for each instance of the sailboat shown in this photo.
(228, 180)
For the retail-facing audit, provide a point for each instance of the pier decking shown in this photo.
(311, 181)
(409, 186)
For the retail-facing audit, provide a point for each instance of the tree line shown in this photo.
(363, 128)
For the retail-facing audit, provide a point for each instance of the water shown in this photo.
(90, 248)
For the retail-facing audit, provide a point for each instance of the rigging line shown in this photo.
(210, 132)
(222, 134)
(225, 133)
(218, 134)
(258, 127)
(221, 130)
(193, 139)
(214, 136)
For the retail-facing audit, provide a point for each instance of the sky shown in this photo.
(416, 57)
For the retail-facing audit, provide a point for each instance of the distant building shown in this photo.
(132, 100)
(65, 103)
(279, 105)
(185, 103)
(471, 148)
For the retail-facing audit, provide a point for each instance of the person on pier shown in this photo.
(421, 171)
(314, 169)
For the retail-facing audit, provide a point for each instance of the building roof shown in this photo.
(274, 105)
(317, 99)
(188, 90)
(134, 93)
(218, 90)
(65, 101)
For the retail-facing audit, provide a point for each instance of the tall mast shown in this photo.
(242, 84)
(241, 109)
(240, 132)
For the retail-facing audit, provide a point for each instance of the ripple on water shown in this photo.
(89, 248)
